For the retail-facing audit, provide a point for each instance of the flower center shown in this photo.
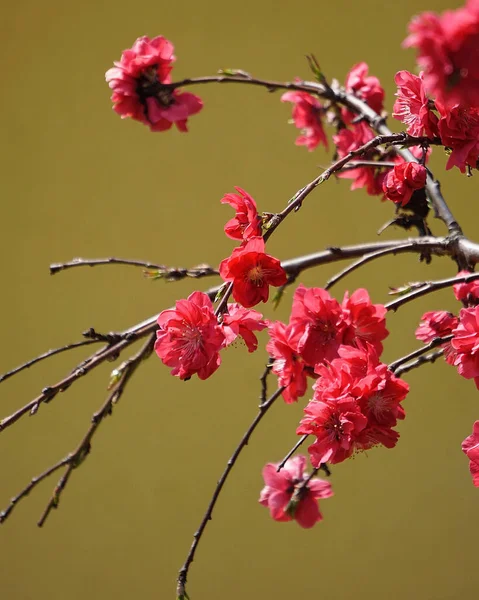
(255, 275)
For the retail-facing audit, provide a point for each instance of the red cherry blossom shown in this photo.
(307, 116)
(436, 324)
(402, 180)
(189, 337)
(287, 365)
(459, 130)
(412, 105)
(239, 321)
(466, 344)
(246, 223)
(470, 447)
(138, 80)
(467, 292)
(252, 272)
(317, 323)
(280, 487)
(365, 321)
(364, 86)
(336, 425)
(448, 51)
(350, 139)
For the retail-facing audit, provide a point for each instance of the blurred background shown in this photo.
(78, 181)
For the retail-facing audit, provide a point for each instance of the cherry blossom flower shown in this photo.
(189, 337)
(349, 139)
(287, 365)
(448, 51)
(459, 130)
(279, 493)
(239, 321)
(470, 447)
(436, 324)
(466, 344)
(403, 180)
(364, 86)
(412, 105)
(317, 323)
(246, 223)
(138, 81)
(365, 321)
(252, 272)
(467, 292)
(307, 117)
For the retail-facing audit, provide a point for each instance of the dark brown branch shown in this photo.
(183, 573)
(299, 443)
(47, 354)
(264, 381)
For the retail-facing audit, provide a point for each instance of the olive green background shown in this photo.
(78, 181)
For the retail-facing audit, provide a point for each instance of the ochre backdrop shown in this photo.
(78, 181)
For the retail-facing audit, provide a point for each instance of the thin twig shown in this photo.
(421, 360)
(76, 458)
(428, 287)
(299, 443)
(183, 573)
(439, 341)
(264, 381)
(365, 259)
(45, 355)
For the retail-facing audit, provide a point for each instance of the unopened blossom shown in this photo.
(448, 51)
(467, 292)
(285, 498)
(138, 82)
(412, 106)
(288, 365)
(459, 130)
(470, 447)
(246, 223)
(403, 180)
(307, 112)
(239, 321)
(189, 337)
(252, 272)
(466, 344)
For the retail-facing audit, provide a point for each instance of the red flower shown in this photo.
(459, 130)
(138, 81)
(336, 425)
(307, 117)
(468, 292)
(317, 323)
(363, 177)
(252, 272)
(366, 321)
(246, 223)
(364, 86)
(280, 487)
(287, 365)
(239, 321)
(412, 105)
(436, 324)
(402, 180)
(466, 344)
(189, 337)
(448, 51)
(470, 447)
